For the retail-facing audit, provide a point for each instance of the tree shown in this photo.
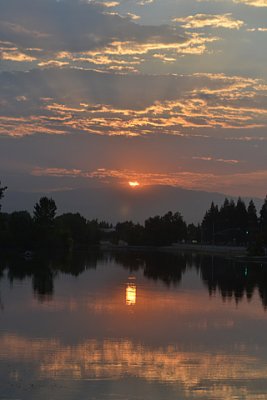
(2, 190)
(3, 219)
(210, 224)
(241, 222)
(131, 233)
(20, 228)
(253, 226)
(75, 226)
(263, 220)
(165, 230)
(44, 217)
(45, 211)
(194, 233)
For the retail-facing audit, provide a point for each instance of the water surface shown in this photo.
(132, 326)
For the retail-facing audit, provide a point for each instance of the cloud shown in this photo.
(74, 26)
(232, 183)
(257, 30)
(107, 4)
(133, 16)
(53, 63)
(145, 2)
(79, 34)
(65, 101)
(16, 56)
(195, 45)
(210, 20)
(252, 3)
(212, 159)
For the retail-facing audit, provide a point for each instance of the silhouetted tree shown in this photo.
(20, 228)
(2, 190)
(210, 224)
(227, 215)
(263, 221)
(253, 225)
(44, 218)
(240, 222)
(194, 233)
(93, 231)
(133, 234)
(255, 239)
(3, 221)
(45, 211)
(75, 226)
(165, 230)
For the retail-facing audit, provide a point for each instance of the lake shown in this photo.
(132, 326)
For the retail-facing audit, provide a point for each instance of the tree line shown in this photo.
(231, 224)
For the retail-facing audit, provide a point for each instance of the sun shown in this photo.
(133, 184)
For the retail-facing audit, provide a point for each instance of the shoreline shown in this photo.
(211, 249)
(237, 252)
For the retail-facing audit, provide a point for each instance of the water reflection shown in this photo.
(232, 279)
(131, 294)
(207, 375)
(72, 324)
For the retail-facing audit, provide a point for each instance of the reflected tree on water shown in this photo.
(228, 278)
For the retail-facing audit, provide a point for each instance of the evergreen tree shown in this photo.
(253, 226)
(241, 222)
(227, 227)
(3, 219)
(263, 221)
(2, 190)
(210, 224)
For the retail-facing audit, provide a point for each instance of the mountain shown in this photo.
(120, 204)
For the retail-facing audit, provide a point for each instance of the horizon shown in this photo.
(124, 202)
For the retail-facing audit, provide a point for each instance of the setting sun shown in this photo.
(134, 184)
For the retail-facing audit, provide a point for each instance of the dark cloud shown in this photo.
(73, 26)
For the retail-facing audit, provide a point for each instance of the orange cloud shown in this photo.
(210, 20)
(196, 44)
(253, 3)
(19, 127)
(16, 56)
(211, 103)
(233, 183)
(52, 63)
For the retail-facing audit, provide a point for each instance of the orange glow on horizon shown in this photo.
(134, 184)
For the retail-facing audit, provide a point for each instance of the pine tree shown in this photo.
(253, 225)
(263, 221)
(241, 221)
(210, 224)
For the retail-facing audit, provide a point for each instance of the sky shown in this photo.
(162, 92)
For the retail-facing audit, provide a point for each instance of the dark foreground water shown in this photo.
(147, 326)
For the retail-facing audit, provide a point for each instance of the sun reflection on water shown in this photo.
(131, 294)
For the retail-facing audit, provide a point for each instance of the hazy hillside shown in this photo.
(120, 204)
